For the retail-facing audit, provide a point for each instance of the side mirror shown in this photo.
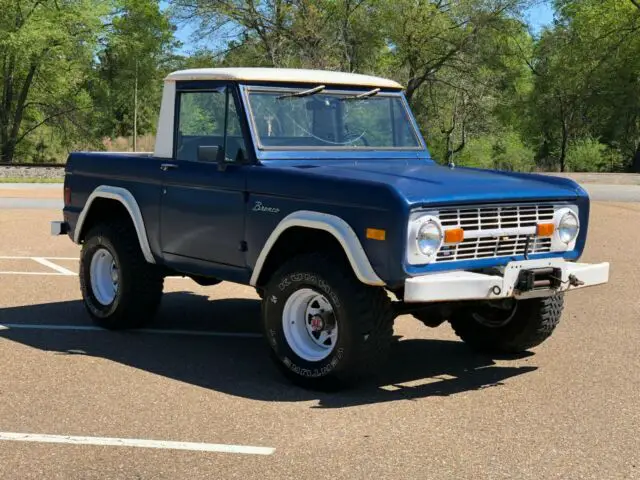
(210, 153)
(213, 154)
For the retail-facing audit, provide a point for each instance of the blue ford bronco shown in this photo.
(317, 189)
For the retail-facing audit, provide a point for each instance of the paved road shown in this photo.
(569, 409)
(31, 186)
(613, 193)
(30, 203)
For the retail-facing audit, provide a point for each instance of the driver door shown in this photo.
(202, 207)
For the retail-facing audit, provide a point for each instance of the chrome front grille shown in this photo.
(492, 217)
(489, 247)
(495, 231)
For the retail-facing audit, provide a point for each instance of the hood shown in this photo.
(426, 183)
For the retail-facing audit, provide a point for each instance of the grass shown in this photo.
(146, 143)
(31, 180)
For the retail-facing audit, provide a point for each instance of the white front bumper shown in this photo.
(463, 285)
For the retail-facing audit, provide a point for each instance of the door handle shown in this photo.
(167, 166)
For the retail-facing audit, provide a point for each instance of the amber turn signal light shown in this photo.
(545, 229)
(454, 235)
(376, 234)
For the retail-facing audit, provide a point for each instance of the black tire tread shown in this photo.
(535, 321)
(141, 297)
(369, 305)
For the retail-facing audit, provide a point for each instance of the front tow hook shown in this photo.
(574, 281)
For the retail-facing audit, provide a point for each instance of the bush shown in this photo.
(477, 153)
(513, 155)
(589, 155)
(499, 152)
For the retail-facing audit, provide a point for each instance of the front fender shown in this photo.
(331, 224)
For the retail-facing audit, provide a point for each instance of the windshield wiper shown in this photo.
(370, 93)
(304, 93)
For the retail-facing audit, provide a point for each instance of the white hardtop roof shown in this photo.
(294, 75)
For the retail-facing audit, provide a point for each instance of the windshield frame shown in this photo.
(246, 90)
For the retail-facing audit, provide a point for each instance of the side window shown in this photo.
(201, 123)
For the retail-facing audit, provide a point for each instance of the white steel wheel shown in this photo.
(104, 275)
(309, 325)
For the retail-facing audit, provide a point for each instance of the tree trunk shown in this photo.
(5, 108)
(8, 150)
(563, 147)
(4, 135)
(135, 112)
(635, 164)
(11, 135)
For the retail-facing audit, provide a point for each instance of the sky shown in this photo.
(538, 16)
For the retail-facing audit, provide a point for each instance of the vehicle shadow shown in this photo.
(239, 366)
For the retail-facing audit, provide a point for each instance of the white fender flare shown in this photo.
(336, 227)
(126, 198)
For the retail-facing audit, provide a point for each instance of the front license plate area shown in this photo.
(546, 278)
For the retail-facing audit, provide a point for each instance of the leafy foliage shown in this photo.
(132, 60)
(485, 90)
(45, 48)
(588, 154)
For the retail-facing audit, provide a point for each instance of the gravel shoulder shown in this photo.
(9, 173)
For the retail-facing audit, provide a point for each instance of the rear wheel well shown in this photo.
(296, 241)
(104, 210)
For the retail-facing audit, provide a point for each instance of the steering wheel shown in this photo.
(356, 137)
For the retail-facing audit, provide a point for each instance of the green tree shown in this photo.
(587, 80)
(45, 50)
(135, 56)
(331, 34)
(465, 79)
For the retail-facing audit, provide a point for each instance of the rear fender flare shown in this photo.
(126, 198)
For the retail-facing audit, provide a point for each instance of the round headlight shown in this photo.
(568, 227)
(429, 238)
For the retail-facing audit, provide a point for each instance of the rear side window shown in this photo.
(201, 122)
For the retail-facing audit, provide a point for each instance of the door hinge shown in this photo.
(243, 246)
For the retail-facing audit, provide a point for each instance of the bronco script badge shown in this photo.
(259, 207)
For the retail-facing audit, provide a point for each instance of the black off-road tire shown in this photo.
(363, 314)
(532, 323)
(140, 283)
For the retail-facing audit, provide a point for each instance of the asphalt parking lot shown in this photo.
(78, 402)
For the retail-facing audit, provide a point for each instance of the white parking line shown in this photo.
(46, 261)
(60, 271)
(11, 257)
(133, 442)
(91, 328)
(50, 264)
(58, 274)
(51, 274)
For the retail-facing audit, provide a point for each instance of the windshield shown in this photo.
(315, 119)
